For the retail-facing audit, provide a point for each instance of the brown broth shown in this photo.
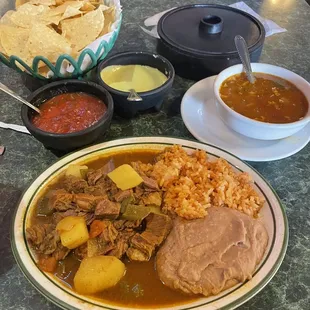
(140, 287)
(270, 99)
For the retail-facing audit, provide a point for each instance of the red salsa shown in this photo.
(70, 112)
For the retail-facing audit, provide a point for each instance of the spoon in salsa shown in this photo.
(244, 55)
(14, 95)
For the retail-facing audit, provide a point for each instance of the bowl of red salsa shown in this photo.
(73, 114)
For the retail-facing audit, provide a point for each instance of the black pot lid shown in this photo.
(207, 29)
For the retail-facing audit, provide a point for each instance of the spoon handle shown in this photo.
(14, 95)
(133, 96)
(244, 55)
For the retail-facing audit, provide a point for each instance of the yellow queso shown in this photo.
(137, 77)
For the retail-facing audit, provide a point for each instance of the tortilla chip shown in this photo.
(2, 50)
(59, 10)
(43, 69)
(109, 18)
(50, 48)
(13, 39)
(6, 19)
(48, 20)
(104, 7)
(109, 14)
(70, 12)
(43, 2)
(18, 3)
(28, 14)
(13, 42)
(106, 29)
(83, 30)
(88, 7)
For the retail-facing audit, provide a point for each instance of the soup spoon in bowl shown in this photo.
(244, 57)
(14, 95)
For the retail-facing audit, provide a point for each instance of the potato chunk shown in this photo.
(98, 273)
(125, 177)
(77, 171)
(73, 231)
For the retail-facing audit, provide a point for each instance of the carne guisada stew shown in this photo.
(126, 224)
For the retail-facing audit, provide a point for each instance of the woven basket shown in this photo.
(104, 48)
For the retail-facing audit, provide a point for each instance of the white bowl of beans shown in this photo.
(275, 106)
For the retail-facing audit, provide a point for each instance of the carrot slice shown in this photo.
(96, 228)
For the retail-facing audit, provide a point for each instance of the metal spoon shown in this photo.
(133, 96)
(244, 55)
(14, 95)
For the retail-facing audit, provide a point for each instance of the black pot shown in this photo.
(70, 141)
(199, 39)
(150, 99)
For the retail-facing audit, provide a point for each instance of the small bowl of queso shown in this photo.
(150, 75)
(275, 106)
(73, 114)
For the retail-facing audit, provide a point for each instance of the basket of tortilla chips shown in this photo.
(52, 39)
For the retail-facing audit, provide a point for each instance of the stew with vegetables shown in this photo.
(98, 228)
(143, 229)
(269, 99)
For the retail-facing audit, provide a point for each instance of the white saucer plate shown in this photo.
(199, 114)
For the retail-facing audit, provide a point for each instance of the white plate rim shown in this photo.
(17, 231)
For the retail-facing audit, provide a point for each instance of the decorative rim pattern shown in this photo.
(104, 48)
(229, 299)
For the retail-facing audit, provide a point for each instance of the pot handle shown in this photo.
(211, 24)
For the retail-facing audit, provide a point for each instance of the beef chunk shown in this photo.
(153, 198)
(143, 245)
(89, 217)
(138, 192)
(73, 184)
(87, 202)
(121, 195)
(49, 243)
(81, 251)
(120, 249)
(159, 226)
(107, 209)
(60, 252)
(121, 244)
(136, 255)
(150, 183)
(94, 176)
(124, 224)
(109, 232)
(140, 248)
(96, 190)
(58, 216)
(97, 246)
(61, 200)
(119, 224)
(37, 233)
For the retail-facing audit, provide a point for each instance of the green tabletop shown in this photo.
(25, 158)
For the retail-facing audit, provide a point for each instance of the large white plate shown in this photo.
(199, 115)
(272, 214)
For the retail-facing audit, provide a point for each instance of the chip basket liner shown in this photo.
(66, 66)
